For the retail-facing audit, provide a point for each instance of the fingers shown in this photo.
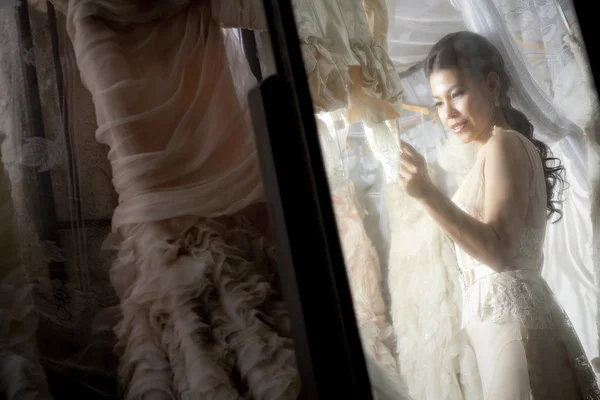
(407, 158)
(408, 165)
(409, 150)
(404, 177)
(411, 165)
(407, 171)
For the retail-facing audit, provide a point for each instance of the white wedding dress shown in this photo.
(363, 270)
(525, 345)
(432, 353)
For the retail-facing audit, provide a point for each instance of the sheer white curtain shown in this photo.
(415, 26)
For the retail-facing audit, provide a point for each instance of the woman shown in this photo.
(524, 343)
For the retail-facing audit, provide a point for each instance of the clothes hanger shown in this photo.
(415, 108)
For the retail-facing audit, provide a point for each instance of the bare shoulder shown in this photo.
(506, 146)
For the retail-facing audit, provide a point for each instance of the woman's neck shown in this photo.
(499, 120)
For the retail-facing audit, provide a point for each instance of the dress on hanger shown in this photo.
(525, 345)
(200, 314)
(432, 353)
(364, 274)
(344, 49)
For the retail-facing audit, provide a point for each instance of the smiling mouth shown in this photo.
(458, 127)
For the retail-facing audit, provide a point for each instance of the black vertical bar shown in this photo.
(45, 208)
(53, 29)
(251, 52)
(314, 277)
(72, 170)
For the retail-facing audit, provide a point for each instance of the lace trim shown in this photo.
(520, 296)
(586, 378)
(531, 242)
(583, 370)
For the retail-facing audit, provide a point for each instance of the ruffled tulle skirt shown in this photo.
(202, 316)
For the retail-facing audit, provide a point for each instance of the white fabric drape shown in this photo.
(415, 26)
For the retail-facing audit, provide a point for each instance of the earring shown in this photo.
(496, 101)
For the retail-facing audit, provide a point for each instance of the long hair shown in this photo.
(475, 57)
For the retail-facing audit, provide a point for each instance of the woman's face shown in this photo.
(465, 106)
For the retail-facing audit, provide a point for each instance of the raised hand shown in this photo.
(414, 177)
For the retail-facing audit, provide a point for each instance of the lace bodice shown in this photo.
(517, 293)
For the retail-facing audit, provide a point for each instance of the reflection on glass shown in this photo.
(147, 269)
(129, 122)
(444, 296)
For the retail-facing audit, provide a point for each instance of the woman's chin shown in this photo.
(465, 137)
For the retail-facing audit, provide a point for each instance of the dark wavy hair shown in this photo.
(475, 57)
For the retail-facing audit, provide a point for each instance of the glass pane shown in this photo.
(137, 256)
(449, 266)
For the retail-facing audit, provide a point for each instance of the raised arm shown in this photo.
(506, 177)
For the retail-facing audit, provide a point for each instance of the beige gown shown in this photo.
(364, 274)
(200, 314)
(525, 345)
